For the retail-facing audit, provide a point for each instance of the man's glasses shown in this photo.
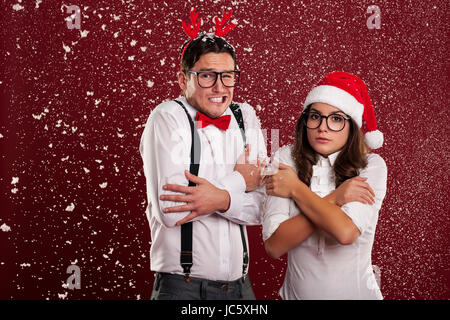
(207, 79)
(335, 122)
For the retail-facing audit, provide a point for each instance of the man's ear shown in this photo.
(182, 81)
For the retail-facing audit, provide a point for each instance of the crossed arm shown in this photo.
(165, 148)
(323, 213)
(205, 198)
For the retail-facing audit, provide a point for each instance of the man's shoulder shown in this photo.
(244, 106)
(248, 113)
(168, 112)
(168, 107)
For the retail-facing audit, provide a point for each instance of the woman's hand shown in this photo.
(283, 182)
(354, 189)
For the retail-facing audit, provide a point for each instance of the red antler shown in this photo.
(192, 29)
(222, 26)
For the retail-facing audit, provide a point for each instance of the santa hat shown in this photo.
(348, 93)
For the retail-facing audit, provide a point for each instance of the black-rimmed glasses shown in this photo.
(335, 121)
(207, 79)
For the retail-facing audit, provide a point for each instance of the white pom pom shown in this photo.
(374, 139)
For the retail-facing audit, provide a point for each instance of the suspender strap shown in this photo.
(245, 253)
(240, 120)
(195, 146)
(186, 228)
(234, 107)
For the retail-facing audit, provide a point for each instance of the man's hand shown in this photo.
(250, 172)
(202, 199)
(354, 189)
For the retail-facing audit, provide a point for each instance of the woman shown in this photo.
(324, 212)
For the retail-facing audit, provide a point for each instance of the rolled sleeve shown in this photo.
(276, 211)
(362, 215)
(365, 216)
(271, 224)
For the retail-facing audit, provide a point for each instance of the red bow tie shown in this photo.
(222, 122)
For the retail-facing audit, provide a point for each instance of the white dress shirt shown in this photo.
(165, 149)
(320, 267)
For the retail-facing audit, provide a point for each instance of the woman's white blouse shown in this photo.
(320, 267)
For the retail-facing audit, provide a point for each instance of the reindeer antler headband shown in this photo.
(223, 26)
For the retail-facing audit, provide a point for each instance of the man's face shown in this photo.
(211, 101)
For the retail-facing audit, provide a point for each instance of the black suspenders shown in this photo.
(240, 120)
(186, 229)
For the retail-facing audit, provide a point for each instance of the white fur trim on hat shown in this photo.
(374, 139)
(338, 98)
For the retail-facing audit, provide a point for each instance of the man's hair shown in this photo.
(204, 44)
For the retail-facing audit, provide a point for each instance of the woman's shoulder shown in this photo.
(375, 160)
(376, 167)
(377, 174)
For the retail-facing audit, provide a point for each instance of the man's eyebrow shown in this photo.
(214, 70)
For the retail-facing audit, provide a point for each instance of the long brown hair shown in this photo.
(351, 159)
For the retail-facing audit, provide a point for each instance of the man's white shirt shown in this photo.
(165, 149)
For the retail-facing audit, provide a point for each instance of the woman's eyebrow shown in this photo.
(334, 112)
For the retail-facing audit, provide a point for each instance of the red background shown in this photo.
(71, 122)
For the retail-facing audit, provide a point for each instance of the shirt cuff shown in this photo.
(234, 181)
(234, 184)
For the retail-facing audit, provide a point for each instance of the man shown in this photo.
(209, 261)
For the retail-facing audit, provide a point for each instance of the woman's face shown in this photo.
(322, 139)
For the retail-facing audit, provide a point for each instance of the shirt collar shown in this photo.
(331, 159)
(190, 109)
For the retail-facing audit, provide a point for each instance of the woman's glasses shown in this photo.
(335, 121)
